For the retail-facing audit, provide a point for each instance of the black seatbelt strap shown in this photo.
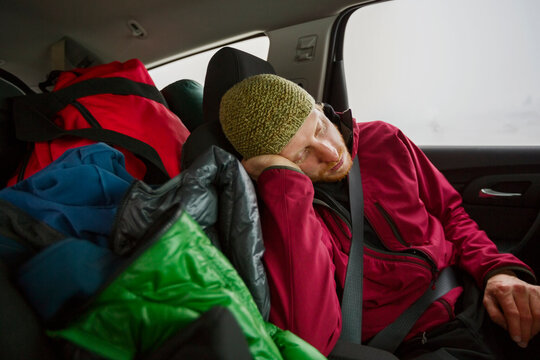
(351, 303)
(349, 346)
(391, 336)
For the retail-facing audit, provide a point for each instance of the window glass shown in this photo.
(448, 72)
(194, 67)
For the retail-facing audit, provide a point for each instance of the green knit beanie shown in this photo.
(261, 114)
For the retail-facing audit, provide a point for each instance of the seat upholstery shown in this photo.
(185, 99)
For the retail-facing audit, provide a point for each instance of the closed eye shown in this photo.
(302, 156)
(321, 129)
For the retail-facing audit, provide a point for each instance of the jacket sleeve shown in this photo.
(475, 252)
(298, 259)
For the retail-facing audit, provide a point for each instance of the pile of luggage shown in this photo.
(112, 244)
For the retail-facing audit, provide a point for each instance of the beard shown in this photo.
(342, 172)
(327, 175)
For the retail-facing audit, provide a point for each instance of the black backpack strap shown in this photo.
(34, 118)
(50, 104)
(48, 84)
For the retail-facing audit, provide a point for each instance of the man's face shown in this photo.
(319, 149)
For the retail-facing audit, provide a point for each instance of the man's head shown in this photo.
(266, 114)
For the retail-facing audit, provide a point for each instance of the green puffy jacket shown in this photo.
(178, 277)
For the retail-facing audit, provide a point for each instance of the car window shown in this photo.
(449, 72)
(194, 67)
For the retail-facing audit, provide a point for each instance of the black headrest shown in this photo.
(227, 67)
(184, 98)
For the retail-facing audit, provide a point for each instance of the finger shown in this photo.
(521, 298)
(494, 311)
(511, 313)
(535, 310)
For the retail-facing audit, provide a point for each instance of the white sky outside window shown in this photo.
(448, 72)
(194, 67)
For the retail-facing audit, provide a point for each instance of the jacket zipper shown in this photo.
(426, 263)
(417, 254)
(413, 252)
(392, 224)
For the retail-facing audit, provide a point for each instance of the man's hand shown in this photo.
(257, 164)
(514, 305)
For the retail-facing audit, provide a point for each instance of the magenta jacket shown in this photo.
(409, 204)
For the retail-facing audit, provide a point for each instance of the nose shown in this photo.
(327, 152)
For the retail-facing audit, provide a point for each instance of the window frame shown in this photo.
(335, 83)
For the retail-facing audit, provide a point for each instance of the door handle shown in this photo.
(487, 193)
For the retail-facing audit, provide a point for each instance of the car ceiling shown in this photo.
(175, 27)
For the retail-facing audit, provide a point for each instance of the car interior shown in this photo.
(500, 185)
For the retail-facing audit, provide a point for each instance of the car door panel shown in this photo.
(500, 187)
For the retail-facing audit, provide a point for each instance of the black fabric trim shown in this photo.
(90, 119)
(51, 103)
(18, 225)
(24, 162)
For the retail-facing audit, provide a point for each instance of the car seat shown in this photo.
(227, 67)
(185, 99)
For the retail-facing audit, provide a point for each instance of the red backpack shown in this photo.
(115, 103)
